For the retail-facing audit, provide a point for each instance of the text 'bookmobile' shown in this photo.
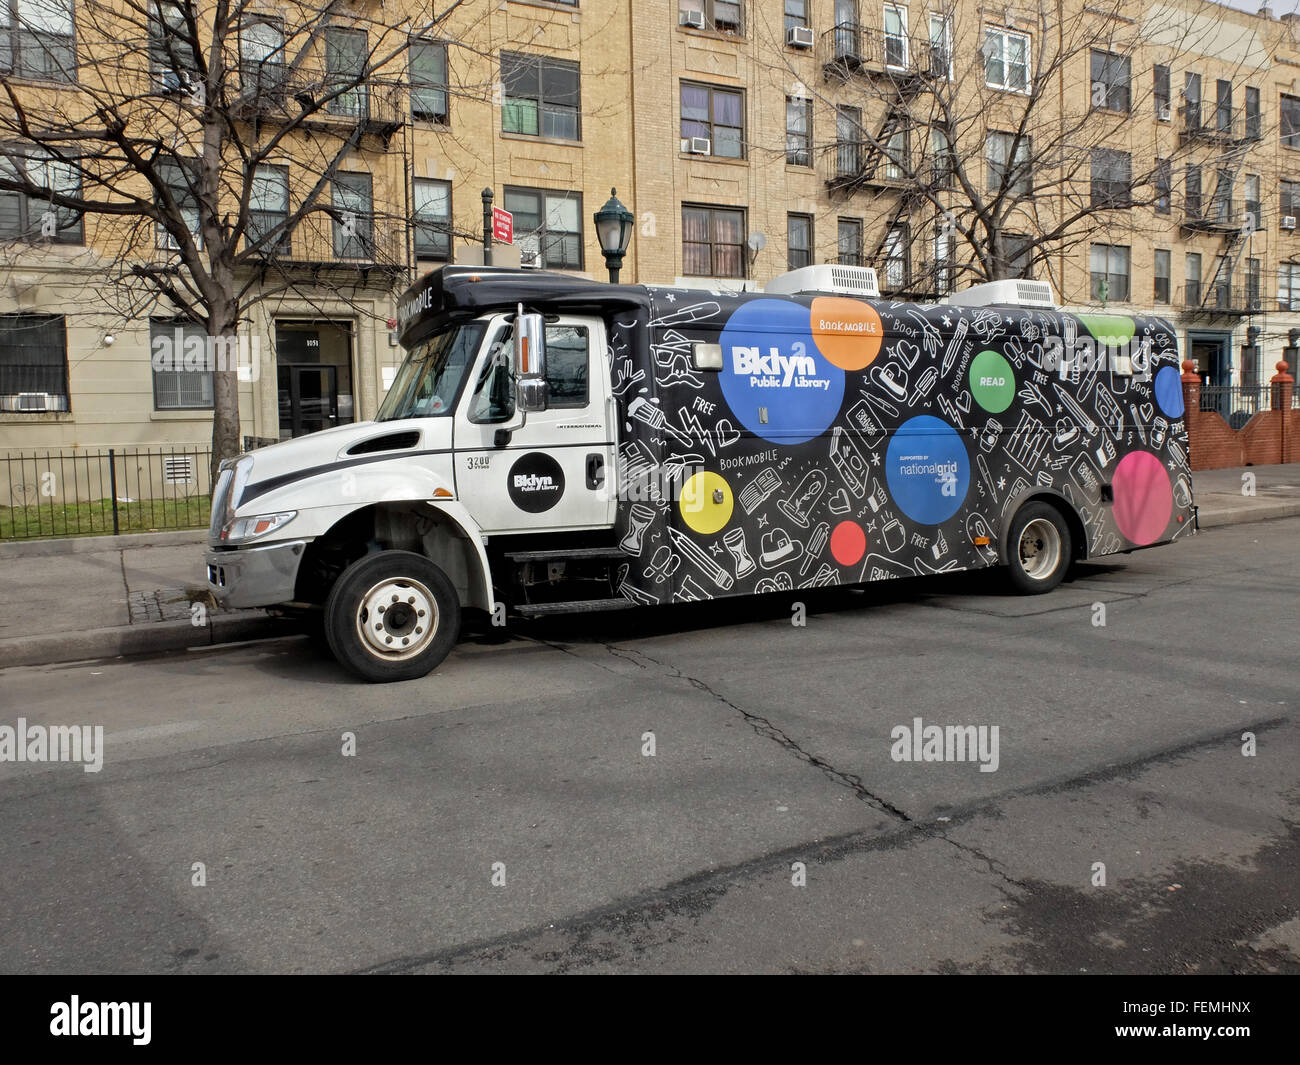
(555, 444)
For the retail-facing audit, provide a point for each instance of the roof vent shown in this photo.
(1009, 293)
(849, 280)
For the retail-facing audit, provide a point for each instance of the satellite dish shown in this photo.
(757, 242)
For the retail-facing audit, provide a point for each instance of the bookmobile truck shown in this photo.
(552, 444)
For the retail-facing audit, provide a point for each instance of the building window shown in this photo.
(1160, 89)
(172, 55)
(1223, 106)
(1288, 287)
(268, 209)
(37, 40)
(1290, 121)
(1110, 81)
(850, 241)
(848, 141)
(33, 217)
(542, 97)
(548, 227)
(713, 242)
(1192, 191)
(940, 46)
(182, 370)
(896, 252)
(33, 363)
(1192, 279)
(1221, 202)
(1290, 198)
(943, 161)
(1014, 175)
(724, 16)
(796, 14)
(1253, 206)
(261, 56)
(1164, 183)
(1162, 275)
(897, 155)
(1006, 60)
(799, 240)
(895, 36)
(186, 205)
(717, 115)
(1109, 266)
(943, 264)
(1020, 254)
(1254, 117)
(1112, 178)
(346, 55)
(429, 81)
(798, 131)
(433, 219)
(1253, 284)
(354, 207)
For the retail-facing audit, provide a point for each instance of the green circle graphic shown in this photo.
(992, 382)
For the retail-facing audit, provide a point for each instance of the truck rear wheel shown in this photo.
(1039, 548)
(392, 616)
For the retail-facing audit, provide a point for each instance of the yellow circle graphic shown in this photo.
(706, 502)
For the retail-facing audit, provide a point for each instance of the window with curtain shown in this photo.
(1161, 293)
(1192, 279)
(717, 114)
(35, 218)
(1109, 267)
(432, 219)
(713, 242)
(799, 240)
(354, 236)
(33, 358)
(38, 40)
(268, 208)
(548, 226)
(429, 81)
(174, 386)
(798, 131)
(542, 97)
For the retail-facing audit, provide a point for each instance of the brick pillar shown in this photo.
(1191, 389)
(1283, 385)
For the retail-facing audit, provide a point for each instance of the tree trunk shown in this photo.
(225, 387)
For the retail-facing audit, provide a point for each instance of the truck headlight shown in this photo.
(242, 530)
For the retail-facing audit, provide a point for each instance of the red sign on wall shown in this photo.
(503, 226)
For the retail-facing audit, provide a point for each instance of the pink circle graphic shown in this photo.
(848, 543)
(1143, 498)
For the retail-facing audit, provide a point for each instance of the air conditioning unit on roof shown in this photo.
(1013, 292)
(827, 277)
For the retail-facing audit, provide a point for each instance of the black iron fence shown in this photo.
(1236, 403)
(103, 491)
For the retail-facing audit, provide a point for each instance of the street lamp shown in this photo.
(614, 230)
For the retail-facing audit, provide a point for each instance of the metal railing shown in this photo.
(1236, 403)
(1217, 298)
(862, 164)
(322, 239)
(103, 491)
(852, 47)
(274, 92)
(1207, 121)
(1212, 213)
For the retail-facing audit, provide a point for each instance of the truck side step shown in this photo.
(575, 606)
(568, 554)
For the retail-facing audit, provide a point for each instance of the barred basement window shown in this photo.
(174, 386)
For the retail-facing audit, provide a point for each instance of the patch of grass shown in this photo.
(95, 517)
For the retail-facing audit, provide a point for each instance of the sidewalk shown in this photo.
(99, 597)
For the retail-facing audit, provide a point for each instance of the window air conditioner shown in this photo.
(1163, 114)
(1288, 221)
(697, 145)
(694, 19)
(34, 401)
(799, 37)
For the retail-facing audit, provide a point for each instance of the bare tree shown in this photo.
(171, 134)
(1012, 140)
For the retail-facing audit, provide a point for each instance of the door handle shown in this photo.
(595, 471)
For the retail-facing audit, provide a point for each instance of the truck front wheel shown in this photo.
(392, 616)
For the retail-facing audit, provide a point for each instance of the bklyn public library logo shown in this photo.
(177, 352)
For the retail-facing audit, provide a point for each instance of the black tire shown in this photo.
(401, 646)
(1039, 548)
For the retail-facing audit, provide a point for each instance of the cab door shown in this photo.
(557, 472)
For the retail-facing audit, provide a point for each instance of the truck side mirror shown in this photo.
(530, 361)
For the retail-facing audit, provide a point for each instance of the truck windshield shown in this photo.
(429, 380)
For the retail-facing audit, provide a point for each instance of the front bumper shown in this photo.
(255, 576)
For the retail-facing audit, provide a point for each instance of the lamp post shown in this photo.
(614, 230)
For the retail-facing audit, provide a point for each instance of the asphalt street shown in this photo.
(505, 814)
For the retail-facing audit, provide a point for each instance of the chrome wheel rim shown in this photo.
(1040, 549)
(396, 619)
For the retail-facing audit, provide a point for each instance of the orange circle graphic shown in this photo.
(847, 332)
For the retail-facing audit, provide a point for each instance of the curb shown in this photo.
(81, 545)
(1213, 518)
(152, 638)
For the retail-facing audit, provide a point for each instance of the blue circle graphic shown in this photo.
(928, 469)
(1169, 391)
(770, 361)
